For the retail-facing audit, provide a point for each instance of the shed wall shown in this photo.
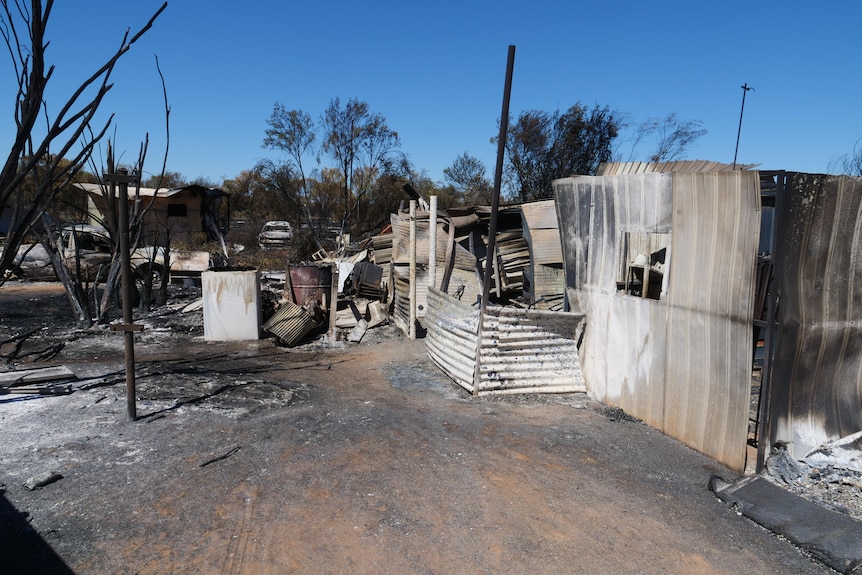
(682, 363)
(519, 351)
(817, 374)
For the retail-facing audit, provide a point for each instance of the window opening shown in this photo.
(643, 264)
(176, 210)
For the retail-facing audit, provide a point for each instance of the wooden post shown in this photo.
(123, 178)
(333, 297)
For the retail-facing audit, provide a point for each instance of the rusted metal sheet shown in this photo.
(309, 283)
(521, 351)
(818, 360)
(290, 323)
(681, 362)
(366, 280)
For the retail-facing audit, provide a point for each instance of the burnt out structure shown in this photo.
(680, 270)
(194, 213)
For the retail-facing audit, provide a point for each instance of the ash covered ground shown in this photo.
(832, 477)
(257, 433)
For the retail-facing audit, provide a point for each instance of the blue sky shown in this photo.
(436, 71)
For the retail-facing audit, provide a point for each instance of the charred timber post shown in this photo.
(123, 179)
(498, 177)
(495, 206)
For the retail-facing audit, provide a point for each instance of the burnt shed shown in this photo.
(680, 275)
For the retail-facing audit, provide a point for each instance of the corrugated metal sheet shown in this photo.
(681, 363)
(817, 373)
(463, 281)
(401, 298)
(453, 328)
(290, 323)
(679, 167)
(521, 351)
(529, 351)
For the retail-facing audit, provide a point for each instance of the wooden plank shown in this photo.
(36, 375)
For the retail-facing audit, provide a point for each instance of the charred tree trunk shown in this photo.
(76, 292)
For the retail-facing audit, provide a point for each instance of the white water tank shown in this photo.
(231, 304)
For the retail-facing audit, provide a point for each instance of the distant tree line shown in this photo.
(343, 171)
(367, 172)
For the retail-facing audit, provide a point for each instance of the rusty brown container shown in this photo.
(309, 282)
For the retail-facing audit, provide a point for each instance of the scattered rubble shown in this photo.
(363, 304)
(828, 478)
(42, 480)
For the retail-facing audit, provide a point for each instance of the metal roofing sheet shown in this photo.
(678, 166)
(519, 351)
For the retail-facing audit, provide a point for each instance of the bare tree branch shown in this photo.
(69, 126)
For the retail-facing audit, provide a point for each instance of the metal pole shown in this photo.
(490, 256)
(498, 177)
(412, 328)
(432, 243)
(745, 88)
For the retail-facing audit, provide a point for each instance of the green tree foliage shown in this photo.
(169, 180)
(241, 190)
(467, 178)
(541, 147)
(364, 148)
(368, 165)
(282, 190)
(292, 132)
(325, 194)
(386, 193)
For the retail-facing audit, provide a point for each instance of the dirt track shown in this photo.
(251, 458)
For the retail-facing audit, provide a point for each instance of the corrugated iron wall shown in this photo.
(453, 331)
(521, 351)
(716, 231)
(683, 363)
(817, 373)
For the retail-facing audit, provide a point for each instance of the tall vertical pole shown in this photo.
(498, 178)
(411, 331)
(432, 243)
(123, 179)
(495, 206)
(745, 88)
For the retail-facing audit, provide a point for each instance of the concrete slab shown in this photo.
(832, 537)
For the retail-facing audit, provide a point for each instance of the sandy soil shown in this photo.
(249, 458)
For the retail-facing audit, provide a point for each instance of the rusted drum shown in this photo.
(309, 282)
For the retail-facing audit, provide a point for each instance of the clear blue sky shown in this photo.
(435, 71)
